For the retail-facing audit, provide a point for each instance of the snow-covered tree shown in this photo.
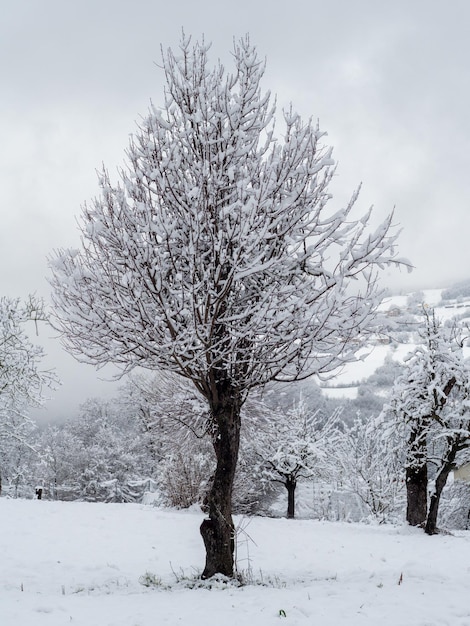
(432, 403)
(111, 454)
(18, 454)
(293, 447)
(217, 256)
(58, 451)
(22, 382)
(366, 460)
(99, 455)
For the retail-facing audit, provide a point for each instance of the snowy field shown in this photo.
(80, 564)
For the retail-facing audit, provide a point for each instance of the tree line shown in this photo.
(360, 458)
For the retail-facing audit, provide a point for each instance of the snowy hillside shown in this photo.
(342, 385)
(85, 564)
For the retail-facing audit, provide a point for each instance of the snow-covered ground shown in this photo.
(80, 564)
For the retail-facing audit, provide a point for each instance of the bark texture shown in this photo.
(218, 532)
(417, 478)
(416, 495)
(290, 484)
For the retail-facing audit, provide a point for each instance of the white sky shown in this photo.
(389, 81)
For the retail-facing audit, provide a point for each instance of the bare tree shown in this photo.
(216, 256)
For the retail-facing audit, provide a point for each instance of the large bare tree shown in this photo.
(217, 258)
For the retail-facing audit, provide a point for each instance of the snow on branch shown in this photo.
(217, 253)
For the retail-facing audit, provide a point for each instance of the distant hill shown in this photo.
(458, 291)
(402, 314)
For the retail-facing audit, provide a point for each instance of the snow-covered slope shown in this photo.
(342, 385)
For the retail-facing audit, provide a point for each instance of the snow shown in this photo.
(341, 385)
(80, 563)
(340, 392)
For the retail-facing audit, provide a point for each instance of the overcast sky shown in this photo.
(388, 81)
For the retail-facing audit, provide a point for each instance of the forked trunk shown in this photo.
(290, 484)
(417, 478)
(218, 530)
(441, 479)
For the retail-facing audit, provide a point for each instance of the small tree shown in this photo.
(432, 403)
(217, 258)
(293, 447)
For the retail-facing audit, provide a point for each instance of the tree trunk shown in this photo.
(416, 495)
(290, 484)
(218, 531)
(441, 479)
(417, 478)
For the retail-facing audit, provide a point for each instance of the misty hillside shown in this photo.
(401, 317)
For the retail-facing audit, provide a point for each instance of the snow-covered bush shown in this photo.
(367, 462)
(182, 477)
